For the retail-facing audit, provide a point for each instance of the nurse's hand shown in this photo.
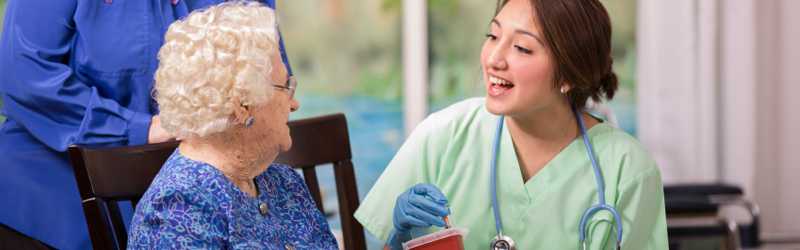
(423, 205)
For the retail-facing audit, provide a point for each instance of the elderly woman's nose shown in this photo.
(294, 105)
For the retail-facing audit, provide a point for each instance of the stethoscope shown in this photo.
(504, 242)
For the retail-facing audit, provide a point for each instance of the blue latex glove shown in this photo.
(421, 206)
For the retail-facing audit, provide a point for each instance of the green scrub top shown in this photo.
(452, 148)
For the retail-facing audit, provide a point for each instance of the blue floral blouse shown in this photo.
(192, 205)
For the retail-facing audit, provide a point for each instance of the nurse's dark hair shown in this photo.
(578, 35)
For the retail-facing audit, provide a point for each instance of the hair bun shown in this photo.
(609, 84)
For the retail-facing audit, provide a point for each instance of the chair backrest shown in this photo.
(106, 176)
(322, 140)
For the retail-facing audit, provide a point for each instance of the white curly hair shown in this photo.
(211, 62)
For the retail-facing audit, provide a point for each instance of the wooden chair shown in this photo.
(322, 140)
(106, 176)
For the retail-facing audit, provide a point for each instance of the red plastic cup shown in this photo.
(448, 239)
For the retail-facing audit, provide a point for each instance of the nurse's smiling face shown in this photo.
(518, 70)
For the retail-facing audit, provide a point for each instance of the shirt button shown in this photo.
(288, 247)
(263, 208)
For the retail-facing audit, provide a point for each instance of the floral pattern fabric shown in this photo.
(192, 205)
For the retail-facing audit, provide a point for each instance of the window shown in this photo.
(346, 56)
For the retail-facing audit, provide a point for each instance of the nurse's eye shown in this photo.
(491, 36)
(523, 49)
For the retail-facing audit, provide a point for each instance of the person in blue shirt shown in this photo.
(74, 73)
(222, 88)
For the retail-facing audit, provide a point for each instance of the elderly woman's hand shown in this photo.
(157, 133)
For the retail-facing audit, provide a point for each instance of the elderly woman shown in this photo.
(215, 86)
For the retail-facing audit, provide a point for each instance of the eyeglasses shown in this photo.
(290, 86)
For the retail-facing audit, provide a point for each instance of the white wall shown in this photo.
(677, 87)
(776, 171)
(718, 89)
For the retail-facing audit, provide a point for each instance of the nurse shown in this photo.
(74, 72)
(539, 59)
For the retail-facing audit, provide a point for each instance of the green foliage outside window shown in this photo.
(2, 11)
(361, 53)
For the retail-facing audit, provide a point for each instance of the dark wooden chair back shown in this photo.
(106, 176)
(321, 140)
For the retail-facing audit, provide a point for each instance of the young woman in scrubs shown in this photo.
(539, 59)
(73, 73)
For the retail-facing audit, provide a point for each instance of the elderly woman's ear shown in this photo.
(242, 115)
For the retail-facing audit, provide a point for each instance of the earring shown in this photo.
(564, 89)
(249, 122)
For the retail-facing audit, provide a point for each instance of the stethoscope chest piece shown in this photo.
(502, 242)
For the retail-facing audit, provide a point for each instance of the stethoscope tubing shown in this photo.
(601, 186)
(498, 224)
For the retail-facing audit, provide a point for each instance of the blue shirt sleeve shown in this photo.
(40, 90)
